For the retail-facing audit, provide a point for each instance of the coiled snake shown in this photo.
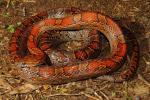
(30, 52)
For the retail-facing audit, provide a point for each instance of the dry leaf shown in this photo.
(29, 1)
(46, 87)
(30, 97)
(4, 86)
(62, 90)
(140, 89)
(24, 89)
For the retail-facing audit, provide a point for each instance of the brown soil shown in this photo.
(137, 12)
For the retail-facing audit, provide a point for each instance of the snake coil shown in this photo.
(30, 58)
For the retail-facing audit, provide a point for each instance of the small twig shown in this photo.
(98, 96)
(8, 4)
(105, 86)
(147, 62)
(104, 95)
(64, 94)
(29, 1)
(128, 59)
(17, 96)
(125, 91)
(41, 95)
(149, 55)
(30, 97)
(6, 92)
(8, 76)
(142, 79)
(24, 11)
(26, 97)
(81, 93)
(147, 35)
(92, 97)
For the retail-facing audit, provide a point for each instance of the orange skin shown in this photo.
(30, 64)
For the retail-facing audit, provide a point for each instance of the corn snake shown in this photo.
(30, 63)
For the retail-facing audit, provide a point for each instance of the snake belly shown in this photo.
(29, 58)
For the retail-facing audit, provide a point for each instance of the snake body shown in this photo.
(31, 59)
(88, 45)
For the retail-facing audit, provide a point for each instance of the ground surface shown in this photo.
(15, 88)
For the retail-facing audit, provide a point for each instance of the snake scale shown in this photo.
(30, 56)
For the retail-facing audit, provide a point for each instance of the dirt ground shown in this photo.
(12, 87)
